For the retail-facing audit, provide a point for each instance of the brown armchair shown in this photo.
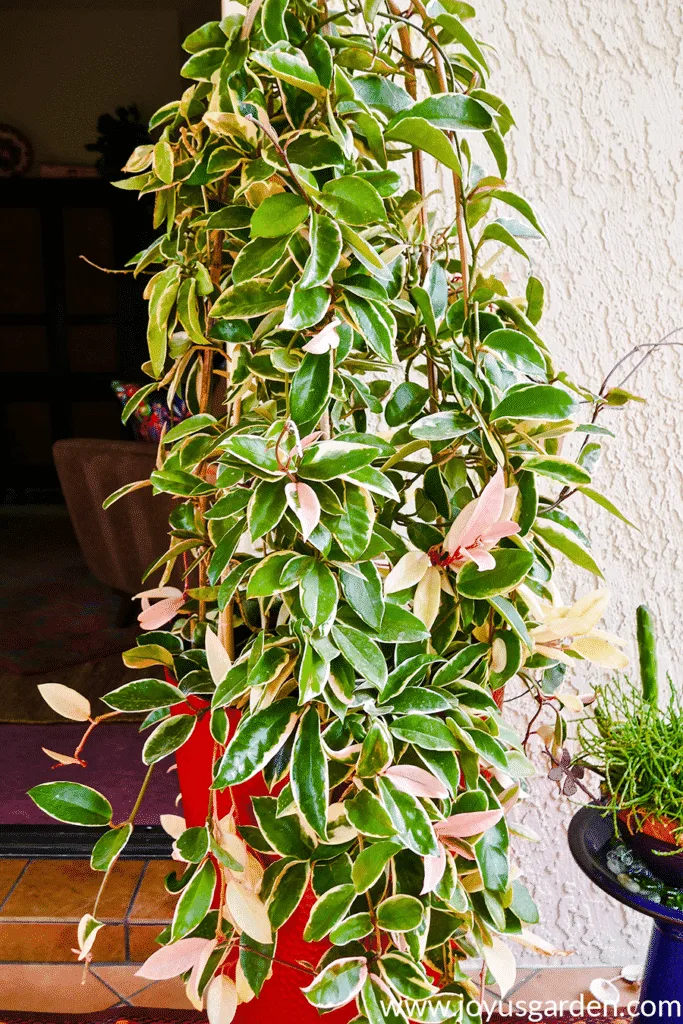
(121, 542)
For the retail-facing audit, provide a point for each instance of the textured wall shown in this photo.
(595, 87)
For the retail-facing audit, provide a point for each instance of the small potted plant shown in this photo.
(636, 747)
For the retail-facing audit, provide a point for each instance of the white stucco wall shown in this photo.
(596, 89)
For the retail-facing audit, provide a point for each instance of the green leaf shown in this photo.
(195, 901)
(277, 215)
(256, 960)
(353, 200)
(442, 426)
(399, 626)
(305, 307)
(72, 802)
(400, 914)
(536, 402)
(361, 652)
(499, 233)
(371, 862)
(109, 846)
(147, 654)
(420, 134)
(510, 569)
(517, 350)
(364, 593)
(309, 775)
(409, 818)
(257, 258)
(143, 695)
(162, 161)
(562, 541)
(492, 857)
(257, 740)
(331, 908)
(331, 459)
(256, 451)
(406, 977)
(353, 529)
(406, 403)
(265, 579)
(311, 388)
(205, 36)
(203, 64)
(315, 151)
(518, 203)
(167, 737)
(514, 620)
(557, 469)
(163, 289)
(337, 983)
(266, 508)
(290, 65)
(268, 667)
(368, 816)
(326, 248)
(352, 929)
(193, 844)
(287, 892)
(449, 111)
(423, 731)
(374, 322)
(248, 299)
(234, 502)
(604, 502)
(381, 93)
(377, 750)
(224, 551)
(318, 591)
(534, 299)
(284, 833)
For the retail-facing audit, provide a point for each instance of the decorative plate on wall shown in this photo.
(16, 155)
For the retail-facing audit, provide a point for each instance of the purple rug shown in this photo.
(114, 768)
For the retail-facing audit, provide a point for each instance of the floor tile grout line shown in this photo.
(129, 911)
(121, 999)
(134, 894)
(14, 884)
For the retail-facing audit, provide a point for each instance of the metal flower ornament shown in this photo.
(371, 496)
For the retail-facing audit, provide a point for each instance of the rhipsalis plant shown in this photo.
(369, 502)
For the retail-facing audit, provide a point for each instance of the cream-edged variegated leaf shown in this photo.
(66, 702)
(173, 960)
(428, 597)
(248, 912)
(500, 961)
(192, 987)
(408, 571)
(303, 501)
(245, 993)
(221, 1000)
(530, 940)
(172, 824)
(217, 657)
(60, 758)
(88, 927)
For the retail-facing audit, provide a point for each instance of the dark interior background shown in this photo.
(67, 330)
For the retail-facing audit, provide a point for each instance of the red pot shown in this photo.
(281, 998)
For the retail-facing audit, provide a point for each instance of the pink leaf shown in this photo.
(416, 781)
(192, 988)
(471, 823)
(434, 870)
(157, 615)
(303, 500)
(171, 961)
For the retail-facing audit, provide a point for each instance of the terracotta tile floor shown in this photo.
(41, 902)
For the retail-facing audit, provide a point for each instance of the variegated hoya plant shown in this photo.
(369, 504)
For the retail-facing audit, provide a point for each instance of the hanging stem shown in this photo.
(419, 179)
(457, 181)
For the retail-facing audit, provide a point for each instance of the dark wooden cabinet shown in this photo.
(66, 329)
